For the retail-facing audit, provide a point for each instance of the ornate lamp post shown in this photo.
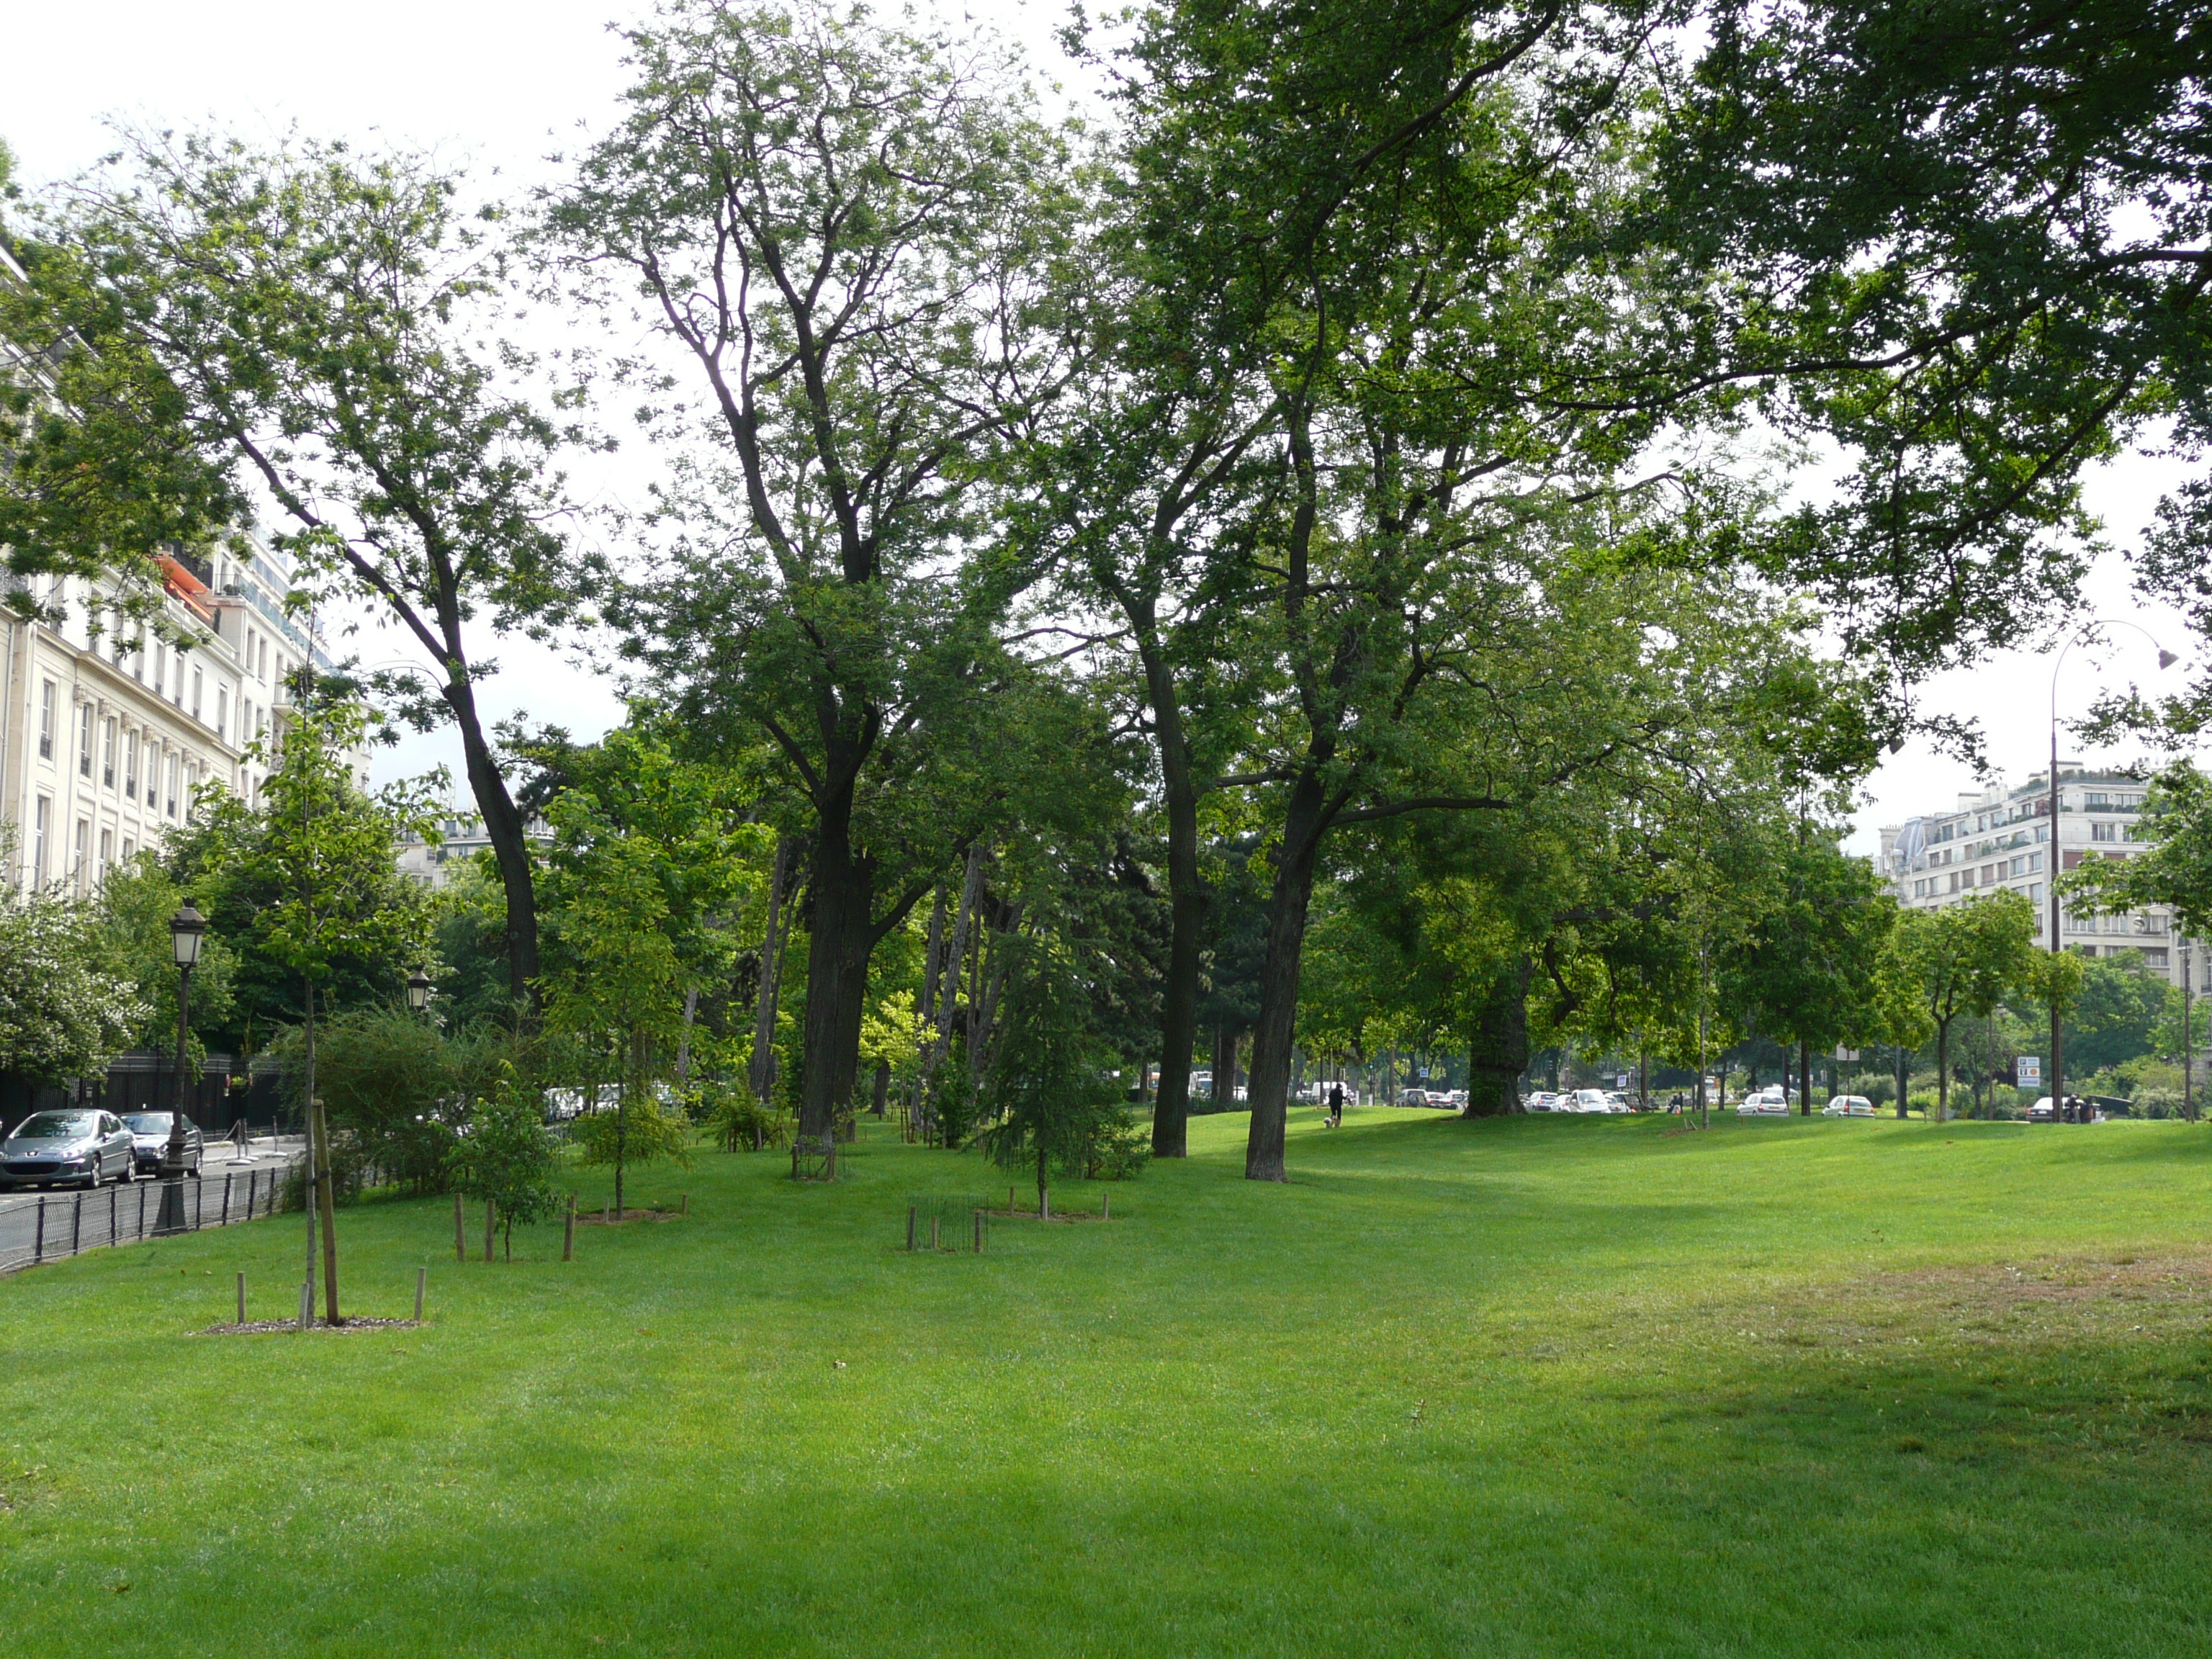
(2165, 660)
(187, 928)
(419, 991)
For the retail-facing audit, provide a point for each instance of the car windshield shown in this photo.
(56, 1126)
(148, 1123)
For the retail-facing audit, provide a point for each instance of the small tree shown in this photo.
(508, 1158)
(1962, 959)
(307, 883)
(618, 983)
(1051, 1099)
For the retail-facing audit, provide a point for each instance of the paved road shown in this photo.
(117, 1206)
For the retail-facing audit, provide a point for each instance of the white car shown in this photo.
(1543, 1101)
(1588, 1100)
(1769, 1102)
(1617, 1102)
(1848, 1106)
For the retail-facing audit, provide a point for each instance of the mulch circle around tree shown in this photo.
(254, 1327)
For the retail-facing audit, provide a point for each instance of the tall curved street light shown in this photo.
(2165, 660)
(187, 929)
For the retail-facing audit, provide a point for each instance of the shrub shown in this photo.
(508, 1156)
(738, 1123)
(392, 1087)
(1922, 1101)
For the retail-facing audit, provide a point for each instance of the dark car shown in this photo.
(149, 1140)
(49, 1148)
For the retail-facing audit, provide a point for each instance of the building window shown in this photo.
(2035, 890)
(83, 873)
(196, 693)
(176, 772)
(2035, 861)
(2103, 832)
(130, 766)
(107, 754)
(107, 851)
(42, 829)
(221, 714)
(84, 740)
(129, 848)
(46, 720)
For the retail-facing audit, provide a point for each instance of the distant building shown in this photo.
(2001, 838)
(462, 837)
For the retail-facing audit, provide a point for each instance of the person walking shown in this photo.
(1336, 1105)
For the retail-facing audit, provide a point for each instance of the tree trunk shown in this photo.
(1903, 1078)
(837, 952)
(759, 1072)
(1277, 1031)
(326, 1199)
(1943, 1072)
(510, 848)
(1498, 1052)
(1044, 1192)
(307, 1194)
(883, 1088)
(1188, 899)
(1804, 1078)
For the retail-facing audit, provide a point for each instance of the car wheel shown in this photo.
(98, 1173)
(130, 1170)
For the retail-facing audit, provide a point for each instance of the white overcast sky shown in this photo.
(501, 84)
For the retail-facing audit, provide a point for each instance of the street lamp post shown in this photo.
(419, 991)
(2165, 660)
(187, 928)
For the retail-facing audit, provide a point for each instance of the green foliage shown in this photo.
(738, 1121)
(506, 1155)
(2174, 870)
(64, 1011)
(1963, 960)
(304, 888)
(133, 907)
(637, 1130)
(1047, 1097)
(396, 1086)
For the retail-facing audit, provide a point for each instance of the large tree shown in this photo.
(299, 327)
(847, 238)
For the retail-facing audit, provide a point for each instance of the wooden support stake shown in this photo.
(979, 1232)
(933, 1232)
(460, 1232)
(491, 1224)
(422, 1284)
(568, 1231)
(1010, 1201)
(909, 1226)
(306, 1302)
(241, 1298)
(1105, 1206)
(684, 1204)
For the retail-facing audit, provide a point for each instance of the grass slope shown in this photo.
(1535, 1387)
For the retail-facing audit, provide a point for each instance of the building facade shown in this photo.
(2003, 838)
(108, 726)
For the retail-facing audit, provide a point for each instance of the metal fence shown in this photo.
(48, 1226)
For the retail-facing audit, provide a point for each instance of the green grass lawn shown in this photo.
(1534, 1387)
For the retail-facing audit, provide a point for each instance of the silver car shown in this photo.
(149, 1140)
(50, 1148)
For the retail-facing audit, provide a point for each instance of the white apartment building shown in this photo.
(2001, 838)
(107, 728)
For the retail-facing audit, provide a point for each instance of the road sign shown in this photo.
(2027, 1071)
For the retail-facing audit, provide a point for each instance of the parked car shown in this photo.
(1617, 1102)
(50, 1148)
(1412, 1096)
(1770, 1102)
(1542, 1101)
(1848, 1106)
(149, 1140)
(1589, 1100)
